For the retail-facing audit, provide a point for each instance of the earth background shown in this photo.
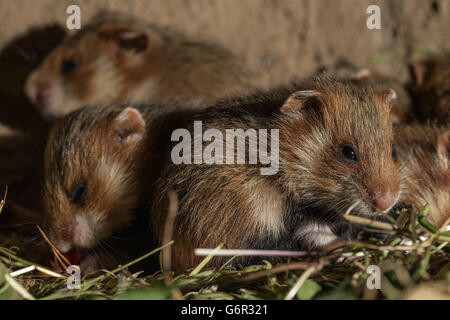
(278, 40)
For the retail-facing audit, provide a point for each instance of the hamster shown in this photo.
(430, 88)
(126, 60)
(99, 162)
(335, 153)
(92, 177)
(423, 153)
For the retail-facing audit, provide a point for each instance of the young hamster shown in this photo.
(423, 153)
(92, 178)
(335, 152)
(430, 88)
(129, 61)
(99, 163)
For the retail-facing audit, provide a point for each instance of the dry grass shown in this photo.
(414, 260)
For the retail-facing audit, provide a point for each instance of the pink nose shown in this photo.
(384, 200)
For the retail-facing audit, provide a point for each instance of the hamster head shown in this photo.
(90, 67)
(90, 185)
(424, 153)
(339, 155)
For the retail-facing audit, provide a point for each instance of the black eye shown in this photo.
(394, 154)
(68, 66)
(78, 193)
(348, 152)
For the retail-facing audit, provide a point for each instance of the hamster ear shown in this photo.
(387, 96)
(299, 99)
(129, 126)
(126, 39)
(443, 146)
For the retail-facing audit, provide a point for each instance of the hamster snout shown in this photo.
(82, 232)
(384, 201)
(48, 95)
(34, 91)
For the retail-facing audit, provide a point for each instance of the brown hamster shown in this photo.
(99, 163)
(91, 183)
(335, 152)
(423, 153)
(129, 61)
(430, 88)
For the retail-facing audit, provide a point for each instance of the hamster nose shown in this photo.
(384, 200)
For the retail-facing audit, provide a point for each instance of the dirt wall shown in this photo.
(279, 39)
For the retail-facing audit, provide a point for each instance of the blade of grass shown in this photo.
(368, 222)
(28, 263)
(3, 201)
(19, 289)
(206, 260)
(54, 249)
(305, 275)
(145, 256)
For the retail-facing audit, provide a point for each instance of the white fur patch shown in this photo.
(268, 208)
(59, 103)
(315, 234)
(85, 228)
(113, 175)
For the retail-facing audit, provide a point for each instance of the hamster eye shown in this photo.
(78, 193)
(68, 66)
(348, 152)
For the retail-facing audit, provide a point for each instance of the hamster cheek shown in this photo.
(59, 102)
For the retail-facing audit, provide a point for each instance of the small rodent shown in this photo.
(92, 177)
(430, 89)
(99, 163)
(423, 152)
(335, 152)
(125, 60)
